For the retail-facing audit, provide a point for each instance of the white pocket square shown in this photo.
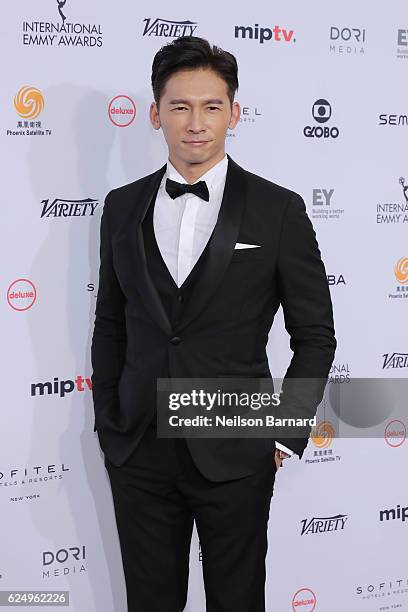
(244, 245)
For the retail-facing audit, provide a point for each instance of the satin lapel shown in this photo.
(145, 286)
(221, 244)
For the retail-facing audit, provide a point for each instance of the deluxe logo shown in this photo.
(321, 112)
(323, 524)
(61, 387)
(167, 28)
(394, 212)
(402, 42)
(61, 33)
(322, 205)
(21, 294)
(394, 513)
(28, 103)
(395, 361)
(395, 433)
(276, 34)
(122, 110)
(347, 41)
(305, 600)
(68, 208)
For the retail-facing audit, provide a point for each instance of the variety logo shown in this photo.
(395, 361)
(304, 599)
(321, 112)
(63, 561)
(21, 294)
(323, 524)
(33, 474)
(122, 111)
(276, 34)
(395, 433)
(61, 387)
(394, 212)
(68, 208)
(347, 41)
(394, 513)
(322, 205)
(61, 33)
(402, 42)
(29, 103)
(167, 28)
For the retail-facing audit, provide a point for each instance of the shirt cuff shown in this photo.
(285, 449)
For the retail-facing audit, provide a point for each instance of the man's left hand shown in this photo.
(280, 455)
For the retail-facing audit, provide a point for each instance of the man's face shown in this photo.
(195, 114)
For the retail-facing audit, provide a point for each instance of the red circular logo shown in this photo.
(304, 600)
(21, 294)
(122, 110)
(395, 433)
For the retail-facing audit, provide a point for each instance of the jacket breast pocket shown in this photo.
(250, 254)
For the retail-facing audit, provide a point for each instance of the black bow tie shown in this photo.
(175, 189)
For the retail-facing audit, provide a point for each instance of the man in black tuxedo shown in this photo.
(195, 260)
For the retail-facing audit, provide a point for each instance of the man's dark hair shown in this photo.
(189, 53)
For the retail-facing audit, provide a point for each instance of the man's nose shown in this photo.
(196, 123)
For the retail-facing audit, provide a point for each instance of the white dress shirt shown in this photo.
(184, 225)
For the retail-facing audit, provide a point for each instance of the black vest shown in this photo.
(173, 297)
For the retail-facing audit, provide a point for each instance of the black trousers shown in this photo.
(157, 494)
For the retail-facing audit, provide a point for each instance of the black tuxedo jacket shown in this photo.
(225, 323)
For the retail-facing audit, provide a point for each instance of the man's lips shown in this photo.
(195, 142)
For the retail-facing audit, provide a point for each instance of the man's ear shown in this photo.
(235, 115)
(154, 116)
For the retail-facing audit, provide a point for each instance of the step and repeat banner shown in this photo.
(323, 91)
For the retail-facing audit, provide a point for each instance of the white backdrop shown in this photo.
(65, 98)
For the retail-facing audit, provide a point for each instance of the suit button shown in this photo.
(175, 340)
(180, 298)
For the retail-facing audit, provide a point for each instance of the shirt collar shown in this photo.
(212, 177)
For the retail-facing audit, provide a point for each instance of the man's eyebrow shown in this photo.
(180, 101)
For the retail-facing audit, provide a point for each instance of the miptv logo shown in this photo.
(21, 294)
(305, 600)
(122, 110)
